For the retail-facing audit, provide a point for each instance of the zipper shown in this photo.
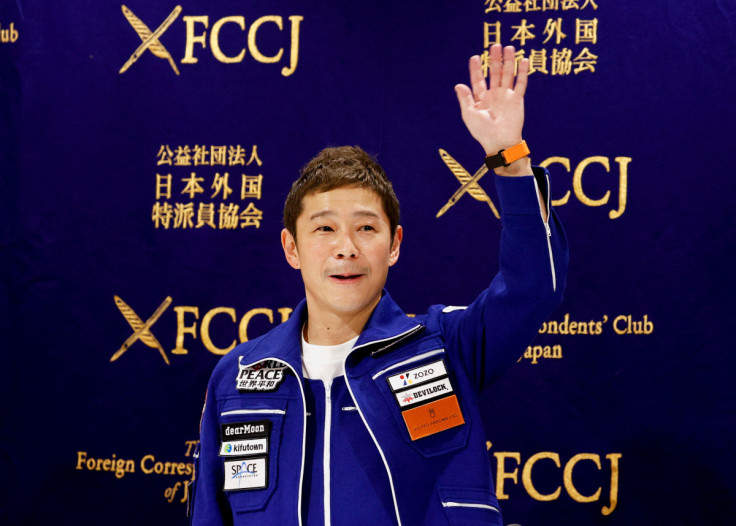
(469, 505)
(408, 361)
(391, 341)
(375, 441)
(304, 430)
(326, 453)
(254, 412)
(549, 233)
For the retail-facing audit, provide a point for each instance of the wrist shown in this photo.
(493, 149)
(517, 168)
(512, 161)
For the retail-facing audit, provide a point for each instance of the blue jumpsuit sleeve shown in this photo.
(491, 334)
(209, 504)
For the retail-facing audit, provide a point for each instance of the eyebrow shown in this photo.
(359, 213)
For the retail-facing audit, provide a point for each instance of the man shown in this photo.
(351, 412)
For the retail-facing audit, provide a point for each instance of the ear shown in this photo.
(395, 246)
(288, 243)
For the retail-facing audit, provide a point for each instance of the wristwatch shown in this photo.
(506, 156)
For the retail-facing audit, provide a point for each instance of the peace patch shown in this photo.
(261, 376)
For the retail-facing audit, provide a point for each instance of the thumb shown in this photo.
(464, 97)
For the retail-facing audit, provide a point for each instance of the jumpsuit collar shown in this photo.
(386, 324)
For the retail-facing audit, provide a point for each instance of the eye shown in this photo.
(366, 228)
(323, 228)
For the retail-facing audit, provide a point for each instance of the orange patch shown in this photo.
(433, 417)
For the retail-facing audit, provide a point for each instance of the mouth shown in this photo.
(345, 278)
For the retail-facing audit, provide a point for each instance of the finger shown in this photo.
(477, 82)
(495, 65)
(464, 97)
(507, 81)
(521, 77)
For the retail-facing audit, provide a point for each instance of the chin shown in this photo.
(349, 307)
(352, 305)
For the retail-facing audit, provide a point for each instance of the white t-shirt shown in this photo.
(325, 362)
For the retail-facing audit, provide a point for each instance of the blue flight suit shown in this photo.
(380, 471)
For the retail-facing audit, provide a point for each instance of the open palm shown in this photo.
(494, 113)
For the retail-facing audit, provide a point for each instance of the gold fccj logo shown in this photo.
(469, 184)
(141, 330)
(149, 40)
(197, 28)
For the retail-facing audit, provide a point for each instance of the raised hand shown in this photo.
(494, 113)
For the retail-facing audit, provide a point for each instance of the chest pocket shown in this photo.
(422, 395)
(250, 442)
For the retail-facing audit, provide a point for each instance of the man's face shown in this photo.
(343, 249)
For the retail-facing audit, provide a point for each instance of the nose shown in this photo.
(345, 247)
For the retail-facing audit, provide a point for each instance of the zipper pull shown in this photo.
(549, 231)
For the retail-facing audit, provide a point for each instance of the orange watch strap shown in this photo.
(507, 156)
(516, 152)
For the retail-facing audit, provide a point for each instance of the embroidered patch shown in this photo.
(238, 448)
(433, 417)
(246, 473)
(426, 398)
(261, 376)
(417, 375)
(424, 392)
(240, 430)
(245, 438)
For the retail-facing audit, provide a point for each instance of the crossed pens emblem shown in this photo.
(469, 184)
(141, 330)
(150, 40)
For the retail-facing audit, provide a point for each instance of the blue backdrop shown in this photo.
(145, 152)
